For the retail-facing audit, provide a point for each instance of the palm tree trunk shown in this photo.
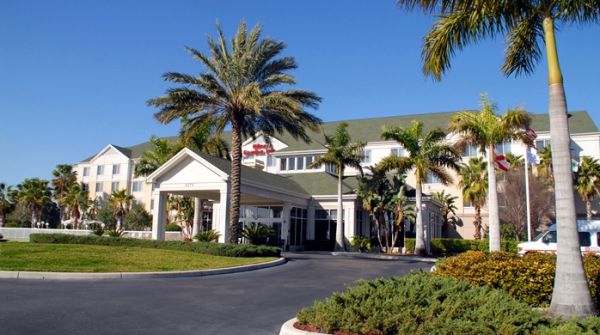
(377, 231)
(493, 220)
(420, 232)
(477, 223)
(339, 230)
(235, 178)
(571, 295)
(588, 209)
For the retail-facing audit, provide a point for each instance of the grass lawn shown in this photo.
(94, 258)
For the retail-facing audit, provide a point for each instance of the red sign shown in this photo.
(258, 149)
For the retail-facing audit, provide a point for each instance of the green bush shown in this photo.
(362, 243)
(529, 278)
(207, 236)
(217, 249)
(257, 233)
(137, 218)
(98, 230)
(172, 227)
(421, 303)
(114, 233)
(454, 246)
(590, 326)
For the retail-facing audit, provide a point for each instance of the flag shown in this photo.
(532, 135)
(501, 161)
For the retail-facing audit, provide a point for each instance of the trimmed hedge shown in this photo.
(216, 249)
(454, 246)
(421, 303)
(529, 278)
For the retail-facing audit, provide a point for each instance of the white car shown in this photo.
(589, 239)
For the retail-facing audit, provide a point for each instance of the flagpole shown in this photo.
(527, 193)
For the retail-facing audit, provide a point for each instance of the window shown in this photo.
(271, 161)
(137, 186)
(99, 187)
(468, 204)
(584, 239)
(470, 150)
(398, 152)
(550, 237)
(325, 224)
(503, 148)
(541, 144)
(366, 156)
(432, 179)
(151, 204)
(116, 169)
(86, 171)
(100, 170)
(309, 161)
(85, 187)
(283, 164)
(292, 163)
(114, 186)
(299, 163)
(297, 226)
(134, 202)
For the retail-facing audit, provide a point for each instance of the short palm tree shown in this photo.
(448, 211)
(64, 179)
(486, 129)
(544, 167)
(75, 199)
(161, 151)
(429, 153)
(6, 202)
(474, 185)
(121, 202)
(514, 161)
(241, 87)
(341, 153)
(401, 207)
(587, 182)
(372, 190)
(35, 194)
(524, 25)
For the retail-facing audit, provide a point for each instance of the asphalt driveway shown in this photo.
(256, 302)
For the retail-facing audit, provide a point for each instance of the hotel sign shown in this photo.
(258, 149)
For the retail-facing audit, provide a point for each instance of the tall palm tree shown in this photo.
(544, 168)
(429, 153)
(341, 153)
(6, 202)
(474, 185)
(448, 210)
(161, 151)
(75, 199)
(486, 129)
(587, 182)
(64, 179)
(35, 194)
(525, 24)
(241, 87)
(121, 201)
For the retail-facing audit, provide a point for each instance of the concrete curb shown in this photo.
(134, 275)
(384, 257)
(288, 329)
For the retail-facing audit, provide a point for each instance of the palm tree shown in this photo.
(35, 194)
(448, 211)
(64, 179)
(160, 152)
(240, 87)
(6, 202)
(341, 152)
(474, 185)
(75, 199)
(372, 189)
(514, 161)
(428, 154)
(401, 207)
(121, 201)
(545, 166)
(587, 182)
(202, 140)
(486, 129)
(525, 24)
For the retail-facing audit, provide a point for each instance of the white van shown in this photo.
(589, 239)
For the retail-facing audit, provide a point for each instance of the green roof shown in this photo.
(369, 130)
(322, 183)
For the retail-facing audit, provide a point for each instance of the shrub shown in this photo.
(257, 233)
(421, 303)
(115, 233)
(207, 236)
(98, 230)
(590, 325)
(137, 218)
(454, 246)
(172, 227)
(529, 278)
(217, 249)
(362, 243)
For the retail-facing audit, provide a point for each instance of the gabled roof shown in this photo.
(369, 130)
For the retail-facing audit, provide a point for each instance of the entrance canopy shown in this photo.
(206, 177)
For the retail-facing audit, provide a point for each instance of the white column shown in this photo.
(159, 215)
(222, 222)
(350, 226)
(197, 218)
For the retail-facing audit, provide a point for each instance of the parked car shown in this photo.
(589, 239)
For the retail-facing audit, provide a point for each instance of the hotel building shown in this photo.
(280, 189)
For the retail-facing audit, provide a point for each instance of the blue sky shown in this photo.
(75, 75)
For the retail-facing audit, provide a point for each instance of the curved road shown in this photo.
(256, 302)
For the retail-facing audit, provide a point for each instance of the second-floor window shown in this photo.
(137, 186)
(432, 179)
(503, 147)
(99, 187)
(114, 186)
(366, 156)
(296, 163)
(100, 170)
(116, 169)
(86, 171)
(271, 161)
(398, 152)
(541, 144)
(470, 150)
